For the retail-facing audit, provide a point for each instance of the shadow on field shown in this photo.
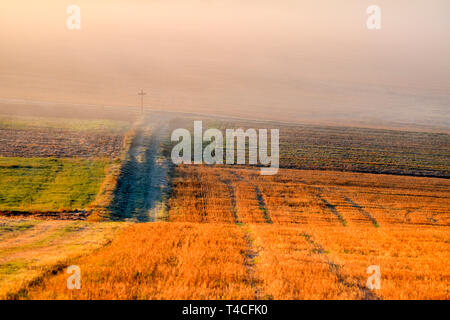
(141, 183)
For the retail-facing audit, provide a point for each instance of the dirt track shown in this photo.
(144, 177)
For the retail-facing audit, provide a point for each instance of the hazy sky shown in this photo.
(280, 59)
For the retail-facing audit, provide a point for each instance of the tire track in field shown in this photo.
(318, 194)
(250, 254)
(232, 193)
(250, 260)
(366, 293)
(330, 206)
(362, 211)
(259, 197)
(262, 204)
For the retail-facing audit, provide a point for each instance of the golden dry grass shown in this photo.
(234, 234)
(198, 196)
(162, 261)
(31, 248)
(351, 221)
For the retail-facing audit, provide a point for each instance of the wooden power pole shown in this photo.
(142, 94)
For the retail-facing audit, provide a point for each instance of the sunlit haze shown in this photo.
(291, 60)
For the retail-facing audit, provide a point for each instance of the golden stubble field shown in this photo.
(233, 234)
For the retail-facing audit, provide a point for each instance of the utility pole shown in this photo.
(142, 94)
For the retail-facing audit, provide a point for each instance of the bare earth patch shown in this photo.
(59, 143)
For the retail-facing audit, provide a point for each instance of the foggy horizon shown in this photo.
(291, 61)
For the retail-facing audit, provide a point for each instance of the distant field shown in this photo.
(61, 138)
(59, 144)
(72, 124)
(365, 150)
(352, 149)
(52, 110)
(45, 184)
(234, 234)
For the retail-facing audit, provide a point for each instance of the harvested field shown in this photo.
(350, 148)
(227, 248)
(296, 196)
(58, 143)
(277, 237)
(30, 137)
(198, 197)
(365, 150)
(234, 234)
(161, 261)
(329, 227)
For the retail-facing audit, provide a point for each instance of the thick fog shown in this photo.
(289, 60)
